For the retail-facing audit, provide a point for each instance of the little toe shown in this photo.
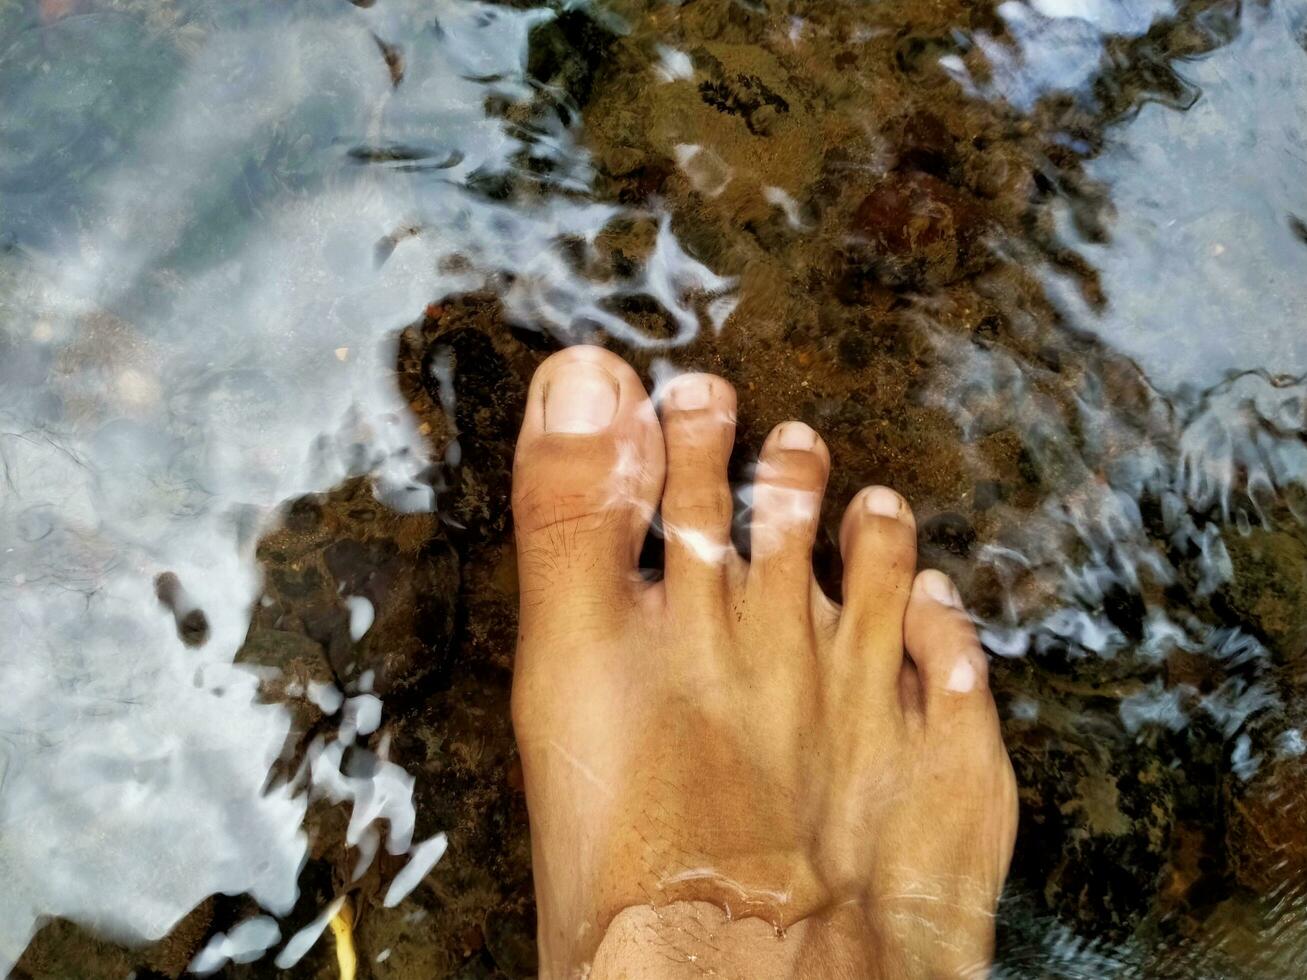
(942, 642)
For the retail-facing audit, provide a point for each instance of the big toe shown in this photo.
(586, 478)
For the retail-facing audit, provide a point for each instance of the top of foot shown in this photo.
(727, 734)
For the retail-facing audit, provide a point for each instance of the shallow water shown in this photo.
(274, 278)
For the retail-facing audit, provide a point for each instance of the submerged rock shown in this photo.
(398, 570)
(1267, 820)
(920, 232)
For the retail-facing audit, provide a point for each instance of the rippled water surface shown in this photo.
(273, 278)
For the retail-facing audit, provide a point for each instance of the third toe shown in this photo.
(785, 511)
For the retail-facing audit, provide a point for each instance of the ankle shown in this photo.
(692, 939)
(688, 940)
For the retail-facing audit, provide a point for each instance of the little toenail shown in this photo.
(941, 588)
(883, 502)
(690, 392)
(581, 398)
(962, 678)
(796, 435)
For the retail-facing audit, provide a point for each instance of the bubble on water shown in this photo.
(1162, 637)
(1011, 642)
(362, 716)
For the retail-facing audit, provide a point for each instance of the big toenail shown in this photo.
(690, 392)
(941, 588)
(796, 435)
(962, 678)
(581, 398)
(883, 502)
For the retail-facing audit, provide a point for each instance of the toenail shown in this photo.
(581, 398)
(690, 392)
(941, 588)
(796, 435)
(962, 678)
(883, 502)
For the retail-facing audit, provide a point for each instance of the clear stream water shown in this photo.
(216, 220)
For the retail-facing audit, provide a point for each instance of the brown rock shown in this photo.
(919, 231)
(1267, 826)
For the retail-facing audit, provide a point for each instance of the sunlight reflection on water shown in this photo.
(255, 369)
(210, 241)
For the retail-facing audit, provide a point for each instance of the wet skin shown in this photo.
(727, 773)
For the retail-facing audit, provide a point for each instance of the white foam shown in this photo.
(1051, 46)
(364, 711)
(368, 843)
(304, 940)
(1155, 706)
(1291, 744)
(1024, 708)
(424, 857)
(135, 768)
(326, 696)
(246, 942)
(361, 616)
(708, 173)
(1242, 761)
(673, 65)
(778, 197)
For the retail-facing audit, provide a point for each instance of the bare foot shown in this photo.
(727, 773)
